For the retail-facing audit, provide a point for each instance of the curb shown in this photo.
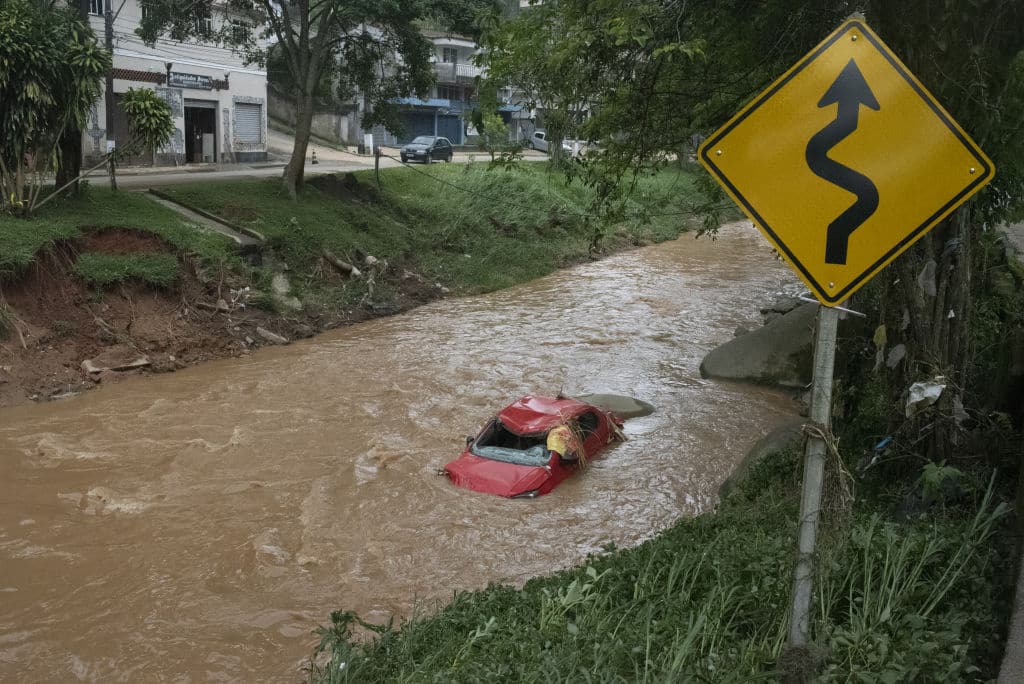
(213, 217)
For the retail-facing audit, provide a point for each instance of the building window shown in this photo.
(248, 122)
(240, 30)
(204, 26)
(448, 93)
(96, 7)
(449, 55)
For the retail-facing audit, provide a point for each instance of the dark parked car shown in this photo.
(427, 148)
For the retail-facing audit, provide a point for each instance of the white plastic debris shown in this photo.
(896, 354)
(923, 394)
(959, 413)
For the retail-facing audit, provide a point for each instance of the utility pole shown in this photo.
(108, 31)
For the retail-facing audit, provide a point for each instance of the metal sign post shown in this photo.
(814, 474)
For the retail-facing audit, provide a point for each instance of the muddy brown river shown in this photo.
(198, 526)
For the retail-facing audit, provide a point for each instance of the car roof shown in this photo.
(533, 414)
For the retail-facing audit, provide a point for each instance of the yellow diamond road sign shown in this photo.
(845, 161)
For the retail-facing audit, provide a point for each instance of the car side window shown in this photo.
(588, 423)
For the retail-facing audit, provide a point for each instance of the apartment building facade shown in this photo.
(447, 112)
(218, 103)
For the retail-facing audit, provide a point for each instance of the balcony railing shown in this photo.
(448, 72)
(444, 105)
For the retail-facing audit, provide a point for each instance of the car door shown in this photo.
(443, 148)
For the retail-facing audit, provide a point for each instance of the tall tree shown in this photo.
(656, 74)
(50, 70)
(69, 159)
(372, 47)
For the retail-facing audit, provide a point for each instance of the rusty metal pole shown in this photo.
(814, 475)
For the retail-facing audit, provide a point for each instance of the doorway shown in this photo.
(200, 131)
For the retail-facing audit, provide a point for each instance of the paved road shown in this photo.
(137, 179)
(331, 161)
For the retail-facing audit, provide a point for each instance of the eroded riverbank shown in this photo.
(205, 522)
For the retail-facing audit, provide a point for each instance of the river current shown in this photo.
(198, 526)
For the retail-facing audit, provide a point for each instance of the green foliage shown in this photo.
(904, 602)
(493, 134)
(938, 480)
(513, 225)
(645, 76)
(149, 119)
(104, 270)
(707, 600)
(50, 70)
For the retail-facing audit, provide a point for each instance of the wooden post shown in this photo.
(814, 472)
(376, 164)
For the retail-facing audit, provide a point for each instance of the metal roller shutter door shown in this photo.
(450, 127)
(416, 123)
(248, 122)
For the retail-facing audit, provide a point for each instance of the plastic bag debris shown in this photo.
(923, 394)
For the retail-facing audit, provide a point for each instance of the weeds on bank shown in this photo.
(707, 600)
(464, 226)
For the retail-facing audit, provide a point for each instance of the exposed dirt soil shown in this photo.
(120, 241)
(54, 321)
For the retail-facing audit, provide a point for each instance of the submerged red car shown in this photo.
(512, 456)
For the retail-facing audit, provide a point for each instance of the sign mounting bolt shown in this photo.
(973, 169)
(718, 152)
(831, 284)
(853, 37)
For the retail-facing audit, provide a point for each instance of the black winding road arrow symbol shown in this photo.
(851, 91)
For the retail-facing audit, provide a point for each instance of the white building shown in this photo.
(219, 104)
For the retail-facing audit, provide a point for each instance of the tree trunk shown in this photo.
(294, 173)
(927, 307)
(69, 160)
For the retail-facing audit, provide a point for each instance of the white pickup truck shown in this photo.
(539, 141)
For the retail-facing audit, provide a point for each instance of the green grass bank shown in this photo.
(898, 599)
(468, 227)
(68, 220)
